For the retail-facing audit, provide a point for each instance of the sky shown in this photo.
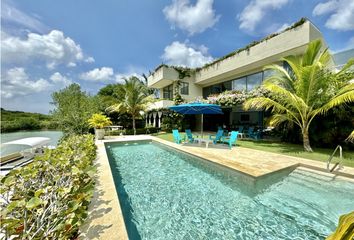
(47, 45)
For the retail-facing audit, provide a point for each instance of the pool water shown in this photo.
(166, 194)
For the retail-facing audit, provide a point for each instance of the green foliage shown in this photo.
(16, 120)
(172, 120)
(99, 121)
(345, 229)
(177, 98)
(308, 90)
(132, 98)
(48, 198)
(73, 108)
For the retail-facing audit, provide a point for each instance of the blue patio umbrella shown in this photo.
(197, 108)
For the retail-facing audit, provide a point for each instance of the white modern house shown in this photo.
(240, 70)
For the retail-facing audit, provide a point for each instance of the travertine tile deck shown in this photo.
(105, 219)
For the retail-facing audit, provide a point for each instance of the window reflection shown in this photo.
(239, 84)
(254, 81)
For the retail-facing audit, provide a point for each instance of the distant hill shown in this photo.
(8, 115)
(18, 120)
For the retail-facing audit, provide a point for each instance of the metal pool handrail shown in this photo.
(331, 157)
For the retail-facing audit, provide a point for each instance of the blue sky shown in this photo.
(46, 45)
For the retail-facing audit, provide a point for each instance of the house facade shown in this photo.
(242, 70)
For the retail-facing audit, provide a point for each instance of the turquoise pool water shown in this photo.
(166, 194)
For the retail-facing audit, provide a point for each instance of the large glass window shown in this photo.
(184, 88)
(206, 92)
(168, 92)
(267, 74)
(239, 84)
(226, 85)
(254, 81)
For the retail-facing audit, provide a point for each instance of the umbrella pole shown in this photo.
(202, 126)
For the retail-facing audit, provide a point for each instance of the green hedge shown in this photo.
(27, 124)
(48, 198)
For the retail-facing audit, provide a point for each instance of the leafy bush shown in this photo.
(48, 198)
(99, 121)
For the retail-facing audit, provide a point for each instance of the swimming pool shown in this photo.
(166, 194)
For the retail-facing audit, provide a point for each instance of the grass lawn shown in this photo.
(319, 154)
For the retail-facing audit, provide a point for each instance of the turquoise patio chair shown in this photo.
(189, 135)
(254, 134)
(230, 140)
(217, 137)
(177, 137)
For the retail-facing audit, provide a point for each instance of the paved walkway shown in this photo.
(105, 219)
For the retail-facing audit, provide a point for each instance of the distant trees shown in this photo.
(73, 108)
(17, 120)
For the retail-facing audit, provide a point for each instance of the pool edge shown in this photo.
(116, 228)
(105, 219)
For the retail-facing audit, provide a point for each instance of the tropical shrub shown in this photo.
(307, 90)
(345, 229)
(48, 198)
(132, 98)
(99, 121)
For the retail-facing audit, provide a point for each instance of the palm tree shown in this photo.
(308, 89)
(132, 98)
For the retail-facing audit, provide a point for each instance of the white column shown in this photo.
(154, 122)
(160, 115)
(149, 118)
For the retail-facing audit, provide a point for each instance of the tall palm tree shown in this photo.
(132, 98)
(308, 89)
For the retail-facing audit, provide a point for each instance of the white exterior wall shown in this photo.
(291, 42)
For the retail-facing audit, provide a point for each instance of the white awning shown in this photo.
(31, 141)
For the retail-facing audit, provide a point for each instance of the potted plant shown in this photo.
(99, 121)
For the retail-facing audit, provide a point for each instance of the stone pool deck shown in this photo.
(105, 219)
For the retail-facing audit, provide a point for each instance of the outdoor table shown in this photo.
(203, 140)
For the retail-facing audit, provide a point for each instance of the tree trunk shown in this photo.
(134, 129)
(306, 140)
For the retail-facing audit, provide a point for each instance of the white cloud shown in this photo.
(53, 49)
(192, 18)
(98, 74)
(10, 13)
(283, 27)
(183, 55)
(60, 80)
(90, 60)
(16, 82)
(341, 14)
(255, 11)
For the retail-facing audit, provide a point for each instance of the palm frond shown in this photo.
(345, 95)
(278, 119)
(311, 53)
(350, 138)
(347, 66)
(280, 77)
